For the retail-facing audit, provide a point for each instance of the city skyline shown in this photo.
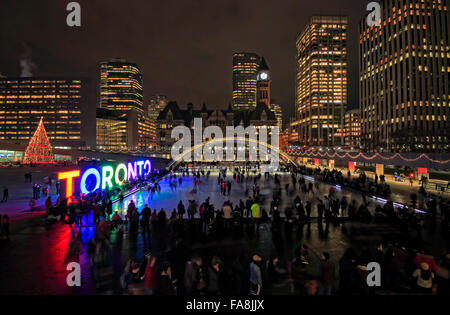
(205, 44)
(225, 152)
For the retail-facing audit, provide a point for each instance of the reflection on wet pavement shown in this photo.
(33, 262)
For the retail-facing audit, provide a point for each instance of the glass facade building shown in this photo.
(23, 101)
(405, 78)
(121, 86)
(352, 130)
(124, 130)
(245, 70)
(321, 81)
(277, 110)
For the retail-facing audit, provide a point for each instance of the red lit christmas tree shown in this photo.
(39, 149)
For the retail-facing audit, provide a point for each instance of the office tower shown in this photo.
(263, 83)
(278, 114)
(58, 101)
(352, 130)
(404, 68)
(124, 130)
(121, 86)
(157, 104)
(245, 70)
(321, 82)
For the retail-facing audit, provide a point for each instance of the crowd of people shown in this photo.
(171, 269)
(404, 216)
(405, 269)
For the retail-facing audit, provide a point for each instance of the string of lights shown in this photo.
(377, 156)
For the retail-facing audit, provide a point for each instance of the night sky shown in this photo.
(184, 47)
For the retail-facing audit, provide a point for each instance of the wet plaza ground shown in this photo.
(32, 262)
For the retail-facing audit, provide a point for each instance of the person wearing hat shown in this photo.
(255, 276)
(424, 282)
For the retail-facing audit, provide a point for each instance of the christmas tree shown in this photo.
(39, 149)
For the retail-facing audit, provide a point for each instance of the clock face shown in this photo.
(264, 76)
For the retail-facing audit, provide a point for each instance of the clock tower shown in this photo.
(263, 83)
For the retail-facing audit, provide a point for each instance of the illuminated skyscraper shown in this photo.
(245, 70)
(276, 109)
(23, 101)
(352, 130)
(121, 86)
(321, 83)
(404, 68)
(124, 130)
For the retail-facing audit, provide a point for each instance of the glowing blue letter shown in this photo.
(148, 166)
(140, 163)
(90, 171)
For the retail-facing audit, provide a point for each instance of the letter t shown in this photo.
(69, 176)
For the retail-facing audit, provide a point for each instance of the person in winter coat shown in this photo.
(255, 276)
(191, 274)
(424, 279)
(327, 275)
(166, 282)
(214, 272)
(424, 256)
(151, 275)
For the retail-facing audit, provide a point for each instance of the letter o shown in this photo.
(116, 176)
(149, 167)
(90, 171)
